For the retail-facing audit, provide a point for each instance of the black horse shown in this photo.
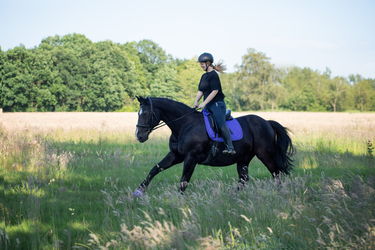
(189, 142)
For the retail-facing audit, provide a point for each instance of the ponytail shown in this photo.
(220, 67)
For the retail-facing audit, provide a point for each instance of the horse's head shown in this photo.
(147, 119)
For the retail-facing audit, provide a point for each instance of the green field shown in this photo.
(65, 189)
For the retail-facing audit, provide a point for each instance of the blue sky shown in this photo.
(317, 34)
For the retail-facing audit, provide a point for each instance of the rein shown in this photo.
(162, 123)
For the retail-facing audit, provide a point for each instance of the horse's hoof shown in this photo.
(138, 193)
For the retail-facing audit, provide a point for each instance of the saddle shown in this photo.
(213, 131)
(213, 124)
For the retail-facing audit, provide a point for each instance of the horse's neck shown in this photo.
(169, 113)
(173, 113)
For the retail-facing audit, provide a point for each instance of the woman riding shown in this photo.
(210, 88)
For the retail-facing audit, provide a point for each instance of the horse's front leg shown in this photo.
(243, 172)
(169, 160)
(243, 176)
(189, 165)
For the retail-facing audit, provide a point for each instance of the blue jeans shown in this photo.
(218, 109)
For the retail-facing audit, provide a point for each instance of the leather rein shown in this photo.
(161, 123)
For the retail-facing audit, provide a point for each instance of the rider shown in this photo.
(210, 88)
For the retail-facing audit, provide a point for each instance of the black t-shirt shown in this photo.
(210, 81)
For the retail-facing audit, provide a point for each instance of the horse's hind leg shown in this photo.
(243, 172)
(269, 162)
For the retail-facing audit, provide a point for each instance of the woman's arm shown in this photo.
(199, 96)
(208, 99)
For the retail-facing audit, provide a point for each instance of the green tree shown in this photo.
(372, 101)
(112, 78)
(71, 73)
(164, 84)
(151, 55)
(258, 80)
(88, 76)
(276, 92)
(307, 90)
(2, 61)
(152, 58)
(336, 89)
(68, 73)
(364, 93)
(230, 82)
(142, 73)
(17, 75)
(188, 76)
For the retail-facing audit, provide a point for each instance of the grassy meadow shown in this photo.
(67, 182)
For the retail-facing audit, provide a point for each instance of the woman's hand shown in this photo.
(201, 106)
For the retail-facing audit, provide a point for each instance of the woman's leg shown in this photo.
(218, 109)
(229, 150)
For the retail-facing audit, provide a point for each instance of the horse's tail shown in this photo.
(284, 148)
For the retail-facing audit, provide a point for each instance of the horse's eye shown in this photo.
(143, 111)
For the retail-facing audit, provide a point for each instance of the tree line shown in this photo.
(71, 73)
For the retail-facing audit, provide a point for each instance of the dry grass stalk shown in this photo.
(301, 123)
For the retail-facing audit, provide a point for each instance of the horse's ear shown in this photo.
(140, 99)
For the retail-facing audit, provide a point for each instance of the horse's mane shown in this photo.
(174, 103)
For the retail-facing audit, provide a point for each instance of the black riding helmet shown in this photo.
(206, 57)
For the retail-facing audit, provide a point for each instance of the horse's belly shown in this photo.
(222, 160)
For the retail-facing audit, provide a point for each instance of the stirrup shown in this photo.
(229, 151)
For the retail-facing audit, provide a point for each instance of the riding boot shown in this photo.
(229, 149)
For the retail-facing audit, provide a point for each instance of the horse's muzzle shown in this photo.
(141, 139)
(141, 136)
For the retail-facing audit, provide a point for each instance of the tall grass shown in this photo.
(73, 188)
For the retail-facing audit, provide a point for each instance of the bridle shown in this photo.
(149, 126)
(161, 123)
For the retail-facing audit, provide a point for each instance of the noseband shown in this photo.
(162, 123)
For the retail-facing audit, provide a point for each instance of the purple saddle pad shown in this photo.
(234, 128)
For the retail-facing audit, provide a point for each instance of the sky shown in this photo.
(339, 35)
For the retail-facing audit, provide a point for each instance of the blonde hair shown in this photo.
(220, 66)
